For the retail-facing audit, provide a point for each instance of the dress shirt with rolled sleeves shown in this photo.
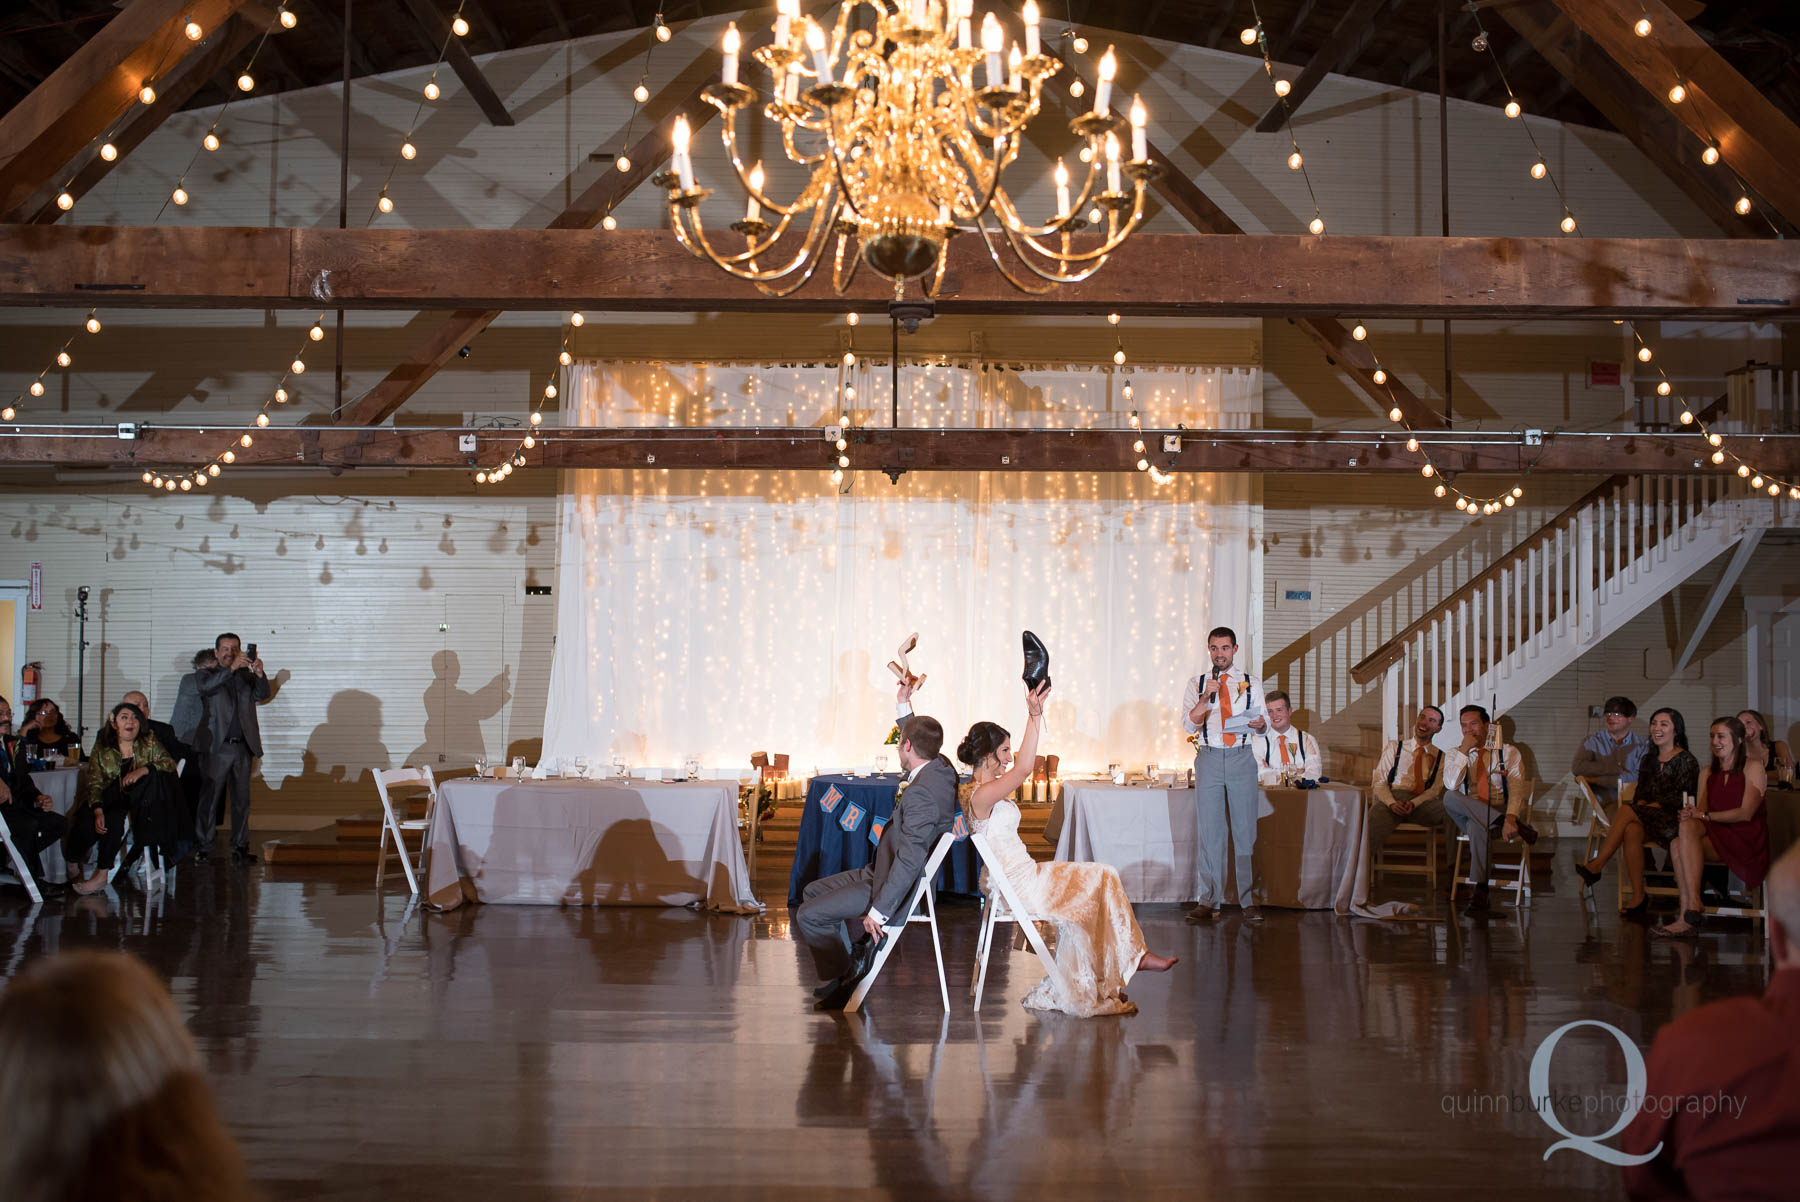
(1410, 771)
(1610, 764)
(1291, 751)
(902, 711)
(1462, 772)
(1246, 698)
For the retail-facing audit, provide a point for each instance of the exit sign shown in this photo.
(1603, 375)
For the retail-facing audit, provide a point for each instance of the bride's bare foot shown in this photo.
(1155, 963)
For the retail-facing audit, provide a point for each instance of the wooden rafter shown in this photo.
(1648, 125)
(93, 88)
(649, 271)
(870, 449)
(1757, 141)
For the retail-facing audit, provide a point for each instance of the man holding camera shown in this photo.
(228, 740)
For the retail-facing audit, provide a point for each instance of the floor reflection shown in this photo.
(363, 1045)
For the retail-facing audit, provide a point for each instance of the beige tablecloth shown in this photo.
(1307, 841)
(60, 785)
(588, 843)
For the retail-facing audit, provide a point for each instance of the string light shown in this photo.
(109, 152)
(1677, 94)
(147, 94)
(211, 141)
(459, 27)
(1720, 455)
(1252, 35)
(288, 19)
(432, 91)
(193, 31)
(1642, 26)
(1710, 155)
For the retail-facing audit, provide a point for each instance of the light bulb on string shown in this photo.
(193, 31)
(8, 413)
(1742, 206)
(1510, 500)
(481, 477)
(576, 319)
(528, 442)
(62, 359)
(229, 457)
(1715, 439)
(1077, 89)
(298, 367)
(262, 419)
(179, 196)
(146, 477)
(1283, 87)
(1119, 357)
(1394, 414)
(1248, 35)
(1687, 417)
(549, 392)
(1641, 26)
(1644, 354)
(1718, 456)
(1380, 376)
(1539, 169)
(213, 469)
(1518, 491)
(843, 461)
(459, 27)
(1294, 161)
(384, 202)
(1428, 471)
(245, 440)
(565, 358)
(1461, 504)
(210, 141)
(1439, 491)
(281, 395)
(1677, 94)
(65, 201)
(246, 82)
(317, 333)
(1756, 481)
(609, 222)
(1359, 332)
(1316, 225)
(1774, 490)
(93, 324)
(623, 162)
(1743, 470)
(1710, 155)
(408, 150)
(109, 152)
(1412, 444)
(201, 480)
(37, 388)
(288, 19)
(432, 91)
(1568, 224)
(147, 94)
(1512, 108)
(537, 417)
(1664, 389)
(1112, 319)
(640, 93)
(663, 32)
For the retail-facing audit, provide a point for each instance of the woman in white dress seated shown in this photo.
(1098, 942)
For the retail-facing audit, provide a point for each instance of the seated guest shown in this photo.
(1485, 792)
(1284, 749)
(42, 735)
(118, 783)
(102, 1090)
(1776, 757)
(1727, 824)
(1606, 757)
(184, 755)
(1668, 777)
(1408, 785)
(1744, 1049)
(29, 813)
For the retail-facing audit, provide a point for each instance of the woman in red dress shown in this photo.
(1727, 824)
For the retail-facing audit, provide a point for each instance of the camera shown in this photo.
(82, 592)
(251, 652)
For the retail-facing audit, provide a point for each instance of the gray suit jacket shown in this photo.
(225, 692)
(190, 710)
(925, 811)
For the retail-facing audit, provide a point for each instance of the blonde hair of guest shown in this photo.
(102, 1090)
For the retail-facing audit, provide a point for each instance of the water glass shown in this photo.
(1117, 772)
(618, 767)
(881, 762)
(518, 766)
(1151, 774)
(693, 768)
(481, 767)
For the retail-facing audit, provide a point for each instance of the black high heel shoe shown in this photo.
(1037, 661)
(1588, 876)
(1637, 910)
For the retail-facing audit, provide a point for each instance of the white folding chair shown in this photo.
(1599, 825)
(1520, 869)
(898, 923)
(393, 824)
(26, 876)
(1000, 905)
(149, 865)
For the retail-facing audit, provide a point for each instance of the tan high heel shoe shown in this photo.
(903, 670)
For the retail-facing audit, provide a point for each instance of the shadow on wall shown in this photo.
(453, 717)
(344, 750)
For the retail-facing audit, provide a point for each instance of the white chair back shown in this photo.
(26, 876)
(898, 923)
(1014, 911)
(393, 825)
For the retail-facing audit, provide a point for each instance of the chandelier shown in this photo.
(903, 126)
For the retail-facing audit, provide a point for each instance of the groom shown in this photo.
(874, 895)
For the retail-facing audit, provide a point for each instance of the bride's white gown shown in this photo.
(1098, 942)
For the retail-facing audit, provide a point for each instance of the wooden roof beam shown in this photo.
(871, 449)
(1171, 275)
(1756, 139)
(93, 88)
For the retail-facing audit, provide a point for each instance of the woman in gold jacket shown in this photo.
(124, 756)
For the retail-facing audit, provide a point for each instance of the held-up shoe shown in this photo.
(1037, 661)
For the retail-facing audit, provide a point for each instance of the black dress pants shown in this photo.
(33, 829)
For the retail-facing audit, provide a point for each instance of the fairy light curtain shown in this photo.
(712, 614)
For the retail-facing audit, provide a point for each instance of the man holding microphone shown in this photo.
(1223, 709)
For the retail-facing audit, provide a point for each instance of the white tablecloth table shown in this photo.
(60, 784)
(588, 843)
(1307, 841)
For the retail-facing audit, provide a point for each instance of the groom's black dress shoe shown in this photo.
(835, 995)
(1037, 661)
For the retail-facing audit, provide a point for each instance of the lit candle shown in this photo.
(918, 12)
(684, 166)
(1109, 66)
(965, 37)
(754, 211)
(790, 87)
(784, 17)
(1140, 140)
(991, 41)
(944, 215)
(815, 41)
(1033, 47)
(1013, 60)
(728, 69)
(1062, 190)
(1112, 162)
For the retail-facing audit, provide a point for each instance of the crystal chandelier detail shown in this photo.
(905, 126)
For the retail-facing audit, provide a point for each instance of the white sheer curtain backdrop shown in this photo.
(713, 614)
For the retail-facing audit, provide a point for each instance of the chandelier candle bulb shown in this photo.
(1112, 163)
(991, 41)
(684, 166)
(753, 210)
(815, 42)
(1140, 136)
(1014, 60)
(784, 19)
(965, 30)
(728, 68)
(1062, 190)
(1109, 66)
(919, 9)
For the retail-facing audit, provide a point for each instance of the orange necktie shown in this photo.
(1418, 772)
(1481, 776)
(1284, 759)
(1225, 710)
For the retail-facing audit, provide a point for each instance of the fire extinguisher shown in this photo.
(29, 681)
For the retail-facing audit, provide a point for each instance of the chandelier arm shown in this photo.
(987, 238)
(839, 281)
(812, 254)
(728, 263)
(837, 163)
(971, 156)
(1095, 260)
(1116, 235)
(728, 135)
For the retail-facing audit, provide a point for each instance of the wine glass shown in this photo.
(1117, 772)
(618, 767)
(481, 767)
(1151, 775)
(581, 766)
(881, 763)
(518, 766)
(693, 768)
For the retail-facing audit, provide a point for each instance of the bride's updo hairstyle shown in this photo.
(983, 740)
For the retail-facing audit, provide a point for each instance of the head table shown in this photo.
(842, 822)
(1309, 842)
(577, 842)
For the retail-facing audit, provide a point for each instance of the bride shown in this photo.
(1098, 942)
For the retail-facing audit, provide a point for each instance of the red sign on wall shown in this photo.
(1603, 375)
(37, 587)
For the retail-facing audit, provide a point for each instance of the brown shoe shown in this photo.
(1199, 916)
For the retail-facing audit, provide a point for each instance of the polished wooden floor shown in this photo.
(364, 1051)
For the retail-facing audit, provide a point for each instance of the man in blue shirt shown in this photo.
(1609, 758)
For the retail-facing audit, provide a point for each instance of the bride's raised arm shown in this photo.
(1024, 759)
